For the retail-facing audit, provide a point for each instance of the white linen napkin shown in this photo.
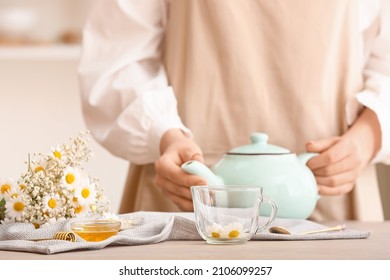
(157, 227)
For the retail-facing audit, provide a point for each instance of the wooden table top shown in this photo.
(376, 247)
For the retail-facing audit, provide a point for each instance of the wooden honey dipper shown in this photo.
(61, 235)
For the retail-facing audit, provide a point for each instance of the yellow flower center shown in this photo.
(234, 234)
(52, 203)
(75, 199)
(85, 193)
(69, 178)
(39, 168)
(57, 154)
(78, 209)
(5, 188)
(15, 195)
(18, 206)
(22, 187)
(215, 234)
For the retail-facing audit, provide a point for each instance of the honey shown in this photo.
(95, 236)
(95, 230)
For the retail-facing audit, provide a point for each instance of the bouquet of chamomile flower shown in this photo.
(54, 188)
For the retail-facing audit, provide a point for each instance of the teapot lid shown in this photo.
(259, 146)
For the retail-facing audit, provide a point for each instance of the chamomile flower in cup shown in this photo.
(234, 230)
(216, 231)
(231, 230)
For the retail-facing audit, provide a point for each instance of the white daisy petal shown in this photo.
(15, 208)
(216, 231)
(39, 166)
(57, 152)
(233, 230)
(52, 203)
(7, 186)
(85, 193)
(71, 178)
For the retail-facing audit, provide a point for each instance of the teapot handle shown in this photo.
(305, 157)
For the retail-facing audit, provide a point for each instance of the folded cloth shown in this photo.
(156, 227)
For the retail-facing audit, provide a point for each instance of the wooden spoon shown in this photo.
(282, 230)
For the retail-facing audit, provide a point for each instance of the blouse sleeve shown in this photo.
(376, 94)
(126, 101)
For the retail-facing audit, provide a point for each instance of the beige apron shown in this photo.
(283, 67)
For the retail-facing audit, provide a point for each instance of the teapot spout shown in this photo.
(197, 168)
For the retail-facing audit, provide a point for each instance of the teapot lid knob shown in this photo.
(259, 138)
(259, 146)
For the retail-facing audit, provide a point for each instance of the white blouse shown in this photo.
(128, 104)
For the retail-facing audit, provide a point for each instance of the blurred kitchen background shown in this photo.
(39, 92)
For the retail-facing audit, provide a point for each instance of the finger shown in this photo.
(321, 145)
(337, 180)
(183, 203)
(191, 154)
(343, 189)
(167, 185)
(197, 157)
(164, 165)
(339, 167)
(333, 154)
(174, 173)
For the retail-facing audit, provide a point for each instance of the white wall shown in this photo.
(40, 108)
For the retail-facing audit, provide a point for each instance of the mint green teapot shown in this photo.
(283, 175)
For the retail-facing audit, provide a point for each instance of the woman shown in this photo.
(166, 81)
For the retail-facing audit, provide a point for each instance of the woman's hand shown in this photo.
(342, 158)
(176, 148)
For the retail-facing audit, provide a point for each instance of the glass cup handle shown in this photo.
(272, 217)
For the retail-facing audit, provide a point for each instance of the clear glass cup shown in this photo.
(229, 214)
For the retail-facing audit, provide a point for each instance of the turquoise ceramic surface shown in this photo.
(284, 176)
